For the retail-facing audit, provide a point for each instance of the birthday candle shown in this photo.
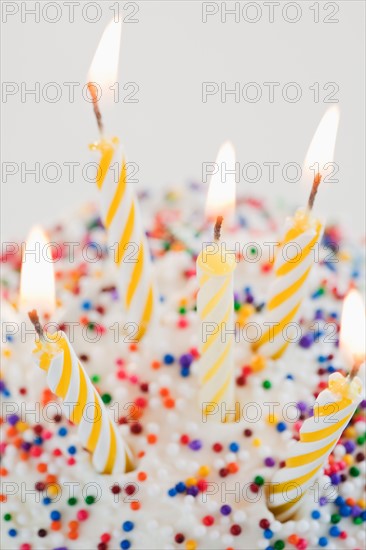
(82, 404)
(333, 409)
(120, 210)
(297, 252)
(215, 308)
(319, 435)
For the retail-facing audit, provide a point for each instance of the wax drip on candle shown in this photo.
(217, 228)
(314, 191)
(98, 115)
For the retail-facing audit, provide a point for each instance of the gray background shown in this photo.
(170, 132)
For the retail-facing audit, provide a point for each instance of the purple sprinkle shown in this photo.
(319, 314)
(2, 385)
(356, 511)
(185, 360)
(249, 299)
(335, 479)
(349, 446)
(306, 341)
(323, 501)
(13, 419)
(193, 491)
(195, 445)
(269, 461)
(302, 406)
(225, 510)
(26, 445)
(363, 404)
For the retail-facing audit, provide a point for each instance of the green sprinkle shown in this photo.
(237, 306)
(354, 472)
(279, 545)
(358, 520)
(95, 378)
(182, 310)
(335, 518)
(89, 500)
(106, 398)
(361, 440)
(7, 517)
(258, 480)
(72, 501)
(166, 246)
(253, 250)
(267, 384)
(91, 326)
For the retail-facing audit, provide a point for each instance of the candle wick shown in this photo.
(314, 190)
(33, 316)
(355, 368)
(98, 115)
(217, 228)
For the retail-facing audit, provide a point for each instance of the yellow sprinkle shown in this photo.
(204, 471)
(7, 353)
(53, 490)
(191, 545)
(191, 481)
(258, 363)
(350, 433)
(362, 503)
(348, 459)
(257, 442)
(183, 302)
(244, 313)
(21, 426)
(272, 419)
(98, 274)
(344, 256)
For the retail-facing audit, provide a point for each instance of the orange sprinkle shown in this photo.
(133, 347)
(23, 456)
(56, 525)
(151, 439)
(135, 505)
(350, 501)
(141, 454)
(164, 392)
(3, 472)
(73, 535)
(233, 467)
(73, 525)
(11, 431)
(3, 498)
(293, 539)
(141, 476)
(42, 467)
(51, 478)
(155, 365)
(169, 403)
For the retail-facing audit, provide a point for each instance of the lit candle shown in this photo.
(120, 209)
(215, 303)
(296, 254)
(333, 409)
(66, 376)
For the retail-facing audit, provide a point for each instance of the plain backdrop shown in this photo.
(168, 53)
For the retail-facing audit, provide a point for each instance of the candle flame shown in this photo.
(104, 68)
(37, 280)
(321, 149)
(353, 329)
(221, 192)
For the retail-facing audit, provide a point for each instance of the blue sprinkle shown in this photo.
(62, 431)
(168, 359)
(185, 371)
(289, 377)
(281, 427)
(339, 501)
(334, 531)
(323, 541)
(331, 369)
(345, 511)
(234, 447)
(268, 534)
(46, 501)
(12, 532)
(128, 526)
(55, 515)
(86, 304)
(38, 440)
(9, 338)
(315, 514)
(72, 450)
(125, 544)
(172, 492)
(180, 487)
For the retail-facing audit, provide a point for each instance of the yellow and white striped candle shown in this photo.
(319, 435)
(126, 238)
(292, 268)
(82, 404)
(215, 308)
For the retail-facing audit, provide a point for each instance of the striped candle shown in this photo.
(292, 268)
(215, 308)
(319, 435)
(82, 404)
(126, 238)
